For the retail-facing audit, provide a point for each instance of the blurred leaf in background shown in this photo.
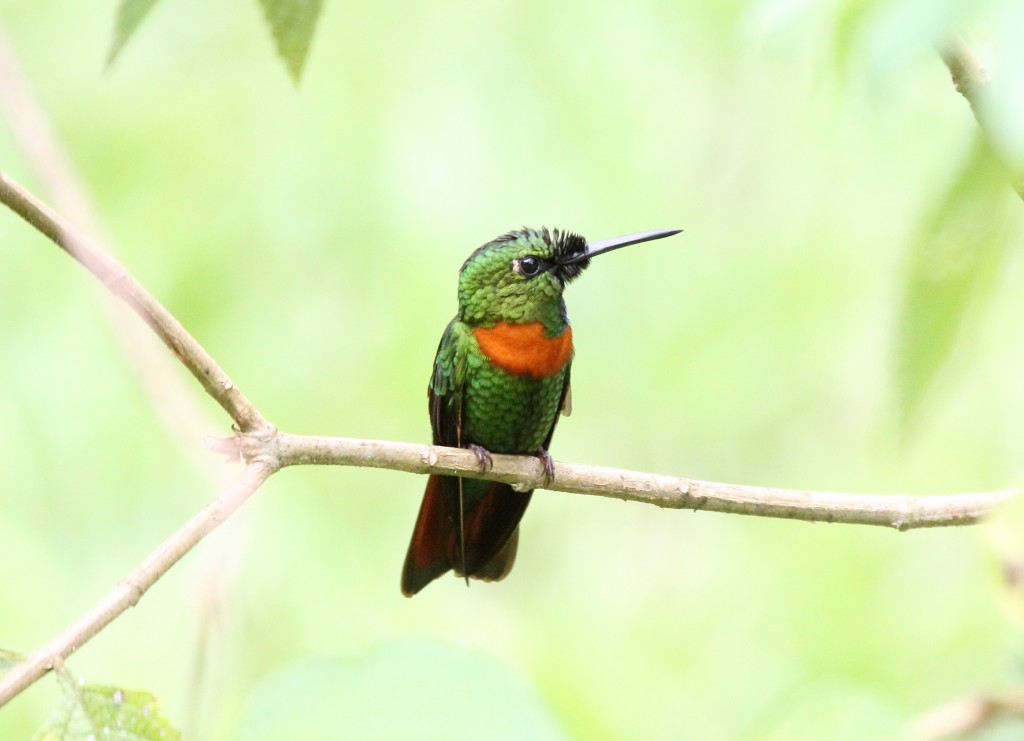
(952, 265)
(419, 689)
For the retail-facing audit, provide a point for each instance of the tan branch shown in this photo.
(971, 79)
(123, 285)
(170, 393)
(966, 716)
(131, 588)
(900, 511)
(969, 75)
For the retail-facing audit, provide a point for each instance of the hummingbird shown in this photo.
(499, 382)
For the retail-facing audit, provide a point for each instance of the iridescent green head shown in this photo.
(519, 277)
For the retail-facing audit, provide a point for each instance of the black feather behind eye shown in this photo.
(569, 246)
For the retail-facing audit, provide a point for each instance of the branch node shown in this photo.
(133, 589)
(260, 445)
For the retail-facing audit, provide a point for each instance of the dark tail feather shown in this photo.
(434, 539)
(491, 533)
(498, 567)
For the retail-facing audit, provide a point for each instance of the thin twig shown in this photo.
(171, 395)
(34, 134)
(971, 79)
(131, 588)
(900, 511)
(960, 718)
(123, 285)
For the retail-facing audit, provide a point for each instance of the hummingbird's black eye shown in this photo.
(529, 266)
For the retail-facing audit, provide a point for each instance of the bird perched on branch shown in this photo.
(500, 380)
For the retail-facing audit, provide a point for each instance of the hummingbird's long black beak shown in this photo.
(607, 245)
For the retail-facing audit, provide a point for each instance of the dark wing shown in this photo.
(435, 546)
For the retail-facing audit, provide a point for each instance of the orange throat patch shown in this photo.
(524, 350)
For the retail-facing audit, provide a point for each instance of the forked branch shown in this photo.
(266, 450)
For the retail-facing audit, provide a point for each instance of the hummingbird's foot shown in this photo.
(549, 465)
(483, 457)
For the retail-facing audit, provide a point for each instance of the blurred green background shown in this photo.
(310, 239)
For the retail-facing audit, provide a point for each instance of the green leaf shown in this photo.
(96, 711)
(952, 265)
(408, 689)
(129, 15)
(292, 23)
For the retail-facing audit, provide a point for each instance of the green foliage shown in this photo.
(953, 262)
(292, 23)
(98, 712)
(413, 689)
(130, 15)
(94, 712)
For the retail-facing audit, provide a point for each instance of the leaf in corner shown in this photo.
(129, 16)
(292, 23)
(952, 264)
(97, 711)
(413, 688)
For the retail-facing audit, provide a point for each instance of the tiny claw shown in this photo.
(483, 457)
(549, 466)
